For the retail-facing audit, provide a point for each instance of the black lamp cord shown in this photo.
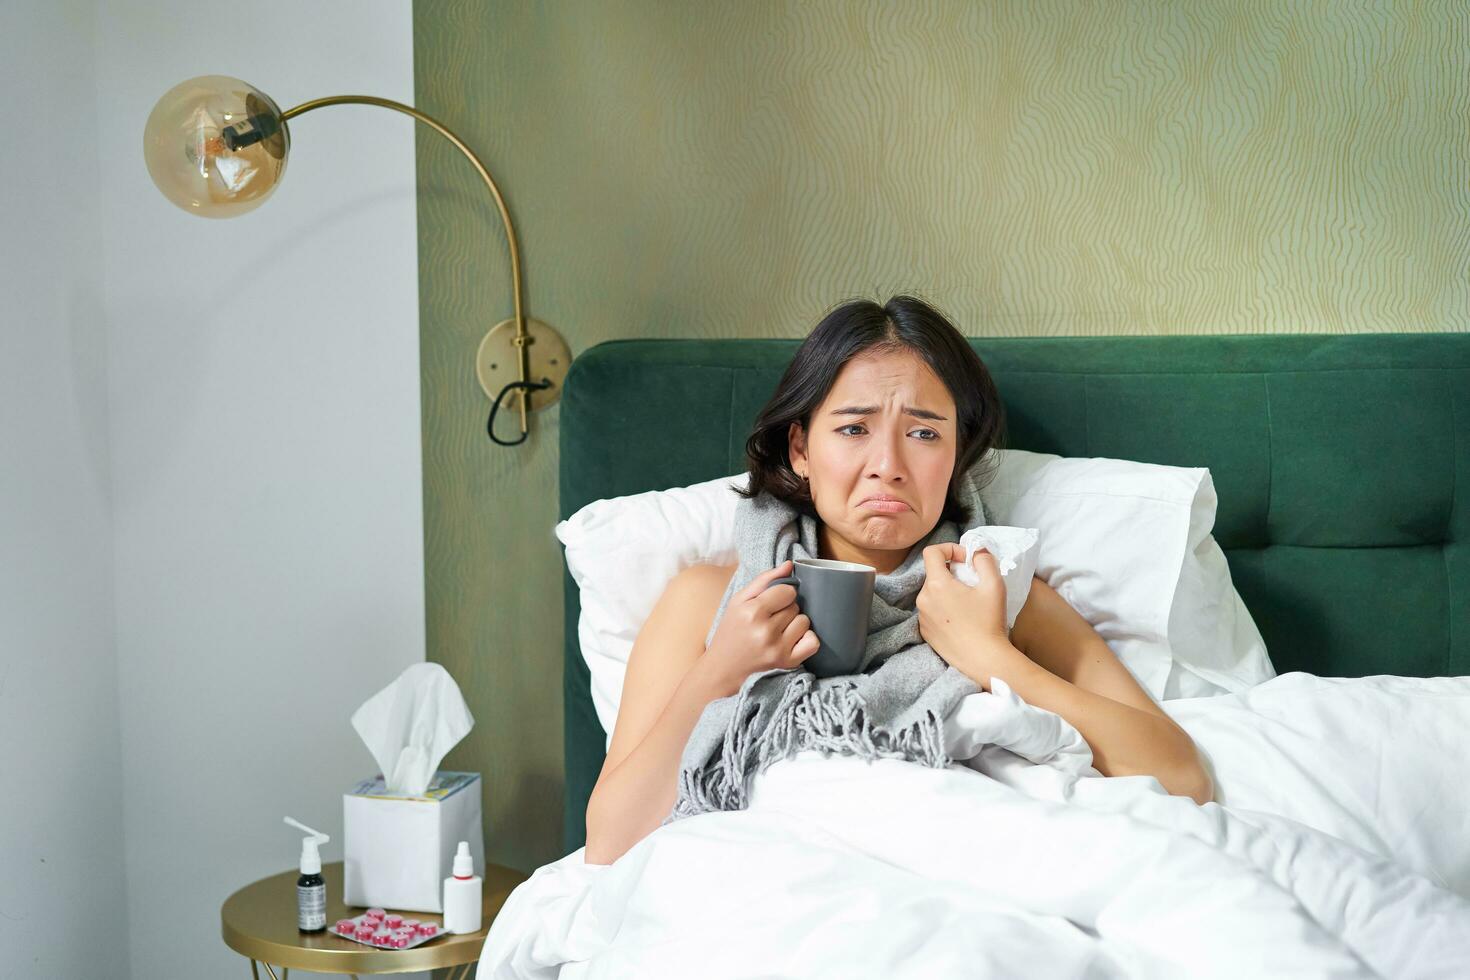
(490, 425)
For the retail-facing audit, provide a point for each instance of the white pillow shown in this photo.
(1215, 644)
(1127, 544)
(658, 532)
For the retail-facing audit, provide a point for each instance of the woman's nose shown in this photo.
(887, 460)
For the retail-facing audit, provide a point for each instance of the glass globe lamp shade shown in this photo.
(216, 146)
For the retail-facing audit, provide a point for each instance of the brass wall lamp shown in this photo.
(217, 147)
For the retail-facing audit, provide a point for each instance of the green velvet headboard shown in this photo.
(1336, 459)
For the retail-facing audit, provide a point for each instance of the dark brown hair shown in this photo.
(861, 327)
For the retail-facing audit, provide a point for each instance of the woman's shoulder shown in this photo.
(692, 597)
(704, 585)
(704, 579)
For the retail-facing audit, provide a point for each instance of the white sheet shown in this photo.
(1021, 860)
(1377, 761)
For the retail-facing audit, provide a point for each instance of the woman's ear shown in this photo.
(796, 446)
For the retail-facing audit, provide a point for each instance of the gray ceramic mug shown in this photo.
(837, 596)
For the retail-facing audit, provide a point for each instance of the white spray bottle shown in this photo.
(311, 887)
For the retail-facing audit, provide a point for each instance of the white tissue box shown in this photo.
(397, 849)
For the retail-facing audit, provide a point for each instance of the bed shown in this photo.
(1337, 461)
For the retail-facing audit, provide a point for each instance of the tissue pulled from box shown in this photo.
(1015, 554)
(410, 725)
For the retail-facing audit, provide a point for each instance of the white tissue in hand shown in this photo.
(410, 725)
(1015, 554)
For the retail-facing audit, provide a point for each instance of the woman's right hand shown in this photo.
(762, 629)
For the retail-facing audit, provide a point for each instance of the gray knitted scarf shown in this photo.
(894, 707)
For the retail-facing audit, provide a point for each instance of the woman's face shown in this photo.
(879, 451)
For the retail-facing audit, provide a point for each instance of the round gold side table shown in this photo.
(259, 921)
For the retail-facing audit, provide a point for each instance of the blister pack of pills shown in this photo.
(387, 930)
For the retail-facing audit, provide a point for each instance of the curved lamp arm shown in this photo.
(521, 339)
(217, 146)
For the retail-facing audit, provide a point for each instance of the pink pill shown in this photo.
(398, 942)
(375, 913)
(411, 924)
(427, 928)
(392, 920)
(364, 933)
(346, 927)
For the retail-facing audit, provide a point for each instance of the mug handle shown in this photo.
(791, 581)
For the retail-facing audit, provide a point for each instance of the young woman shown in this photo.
(880, 410)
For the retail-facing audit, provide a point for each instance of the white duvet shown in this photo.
(1337, 848)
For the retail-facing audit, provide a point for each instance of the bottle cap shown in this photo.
(311, 857)
(464, 866)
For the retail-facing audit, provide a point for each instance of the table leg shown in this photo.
(454, 973)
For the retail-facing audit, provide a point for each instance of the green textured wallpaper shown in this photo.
(734, 169)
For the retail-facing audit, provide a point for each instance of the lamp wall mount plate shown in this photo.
(547, 355)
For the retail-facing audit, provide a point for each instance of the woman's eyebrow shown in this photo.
(918, 413)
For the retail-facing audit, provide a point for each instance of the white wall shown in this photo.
(265, 443)
(61, 820)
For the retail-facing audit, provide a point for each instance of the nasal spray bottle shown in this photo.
(311, 887)
(462, 894)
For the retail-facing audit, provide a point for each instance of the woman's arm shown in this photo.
(665, 690)
(1056, 660)
(632, 800)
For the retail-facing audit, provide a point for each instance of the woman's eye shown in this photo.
(927, 435)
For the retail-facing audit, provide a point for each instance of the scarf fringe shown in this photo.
(829, 720)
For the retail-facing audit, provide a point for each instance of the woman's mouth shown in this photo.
(884, 505)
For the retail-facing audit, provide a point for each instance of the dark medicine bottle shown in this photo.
(311, 887)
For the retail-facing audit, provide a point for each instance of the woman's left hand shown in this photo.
(960, 621)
